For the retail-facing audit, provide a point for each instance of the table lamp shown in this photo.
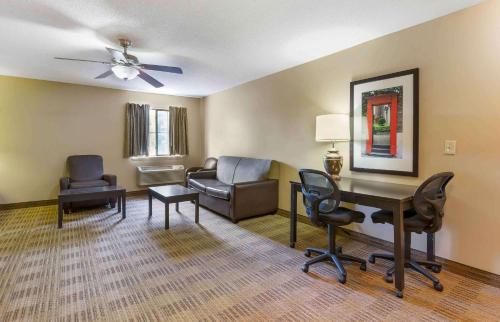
(332, 128)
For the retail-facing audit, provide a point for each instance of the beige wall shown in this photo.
(42, 122)
(458, 57)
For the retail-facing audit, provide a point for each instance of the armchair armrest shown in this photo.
(64, 183)
(254, 198)
(211, 174)
(110, 178)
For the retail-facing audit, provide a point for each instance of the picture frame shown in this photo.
(384, 124)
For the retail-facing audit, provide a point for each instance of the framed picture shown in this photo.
(384, 124)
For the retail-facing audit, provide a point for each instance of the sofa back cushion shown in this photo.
(85, 167)
(249, 169)
(225, 168)
(236, 169)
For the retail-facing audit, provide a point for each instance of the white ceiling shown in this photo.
(218, 43)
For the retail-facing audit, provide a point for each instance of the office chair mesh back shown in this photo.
(430, 198)
(320, 193)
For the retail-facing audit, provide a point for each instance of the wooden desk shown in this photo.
(389, 196)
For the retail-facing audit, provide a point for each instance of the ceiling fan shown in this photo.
(126, 66)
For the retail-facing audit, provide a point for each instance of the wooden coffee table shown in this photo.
(84, 194)
(173, 193)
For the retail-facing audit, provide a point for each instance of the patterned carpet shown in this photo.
(99, 267)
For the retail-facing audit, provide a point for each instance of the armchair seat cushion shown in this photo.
(88, 184)
(221, 191)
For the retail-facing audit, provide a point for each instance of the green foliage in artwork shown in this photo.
(377, 128)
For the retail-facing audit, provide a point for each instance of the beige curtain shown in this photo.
(137, 130)
(178, 131)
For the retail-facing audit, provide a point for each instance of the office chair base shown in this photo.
(335, 258)
(415, 265)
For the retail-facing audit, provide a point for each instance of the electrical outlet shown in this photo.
(450, 147)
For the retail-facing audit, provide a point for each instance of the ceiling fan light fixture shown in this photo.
(125, 72)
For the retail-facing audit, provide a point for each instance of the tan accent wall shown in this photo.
(42, 122)
(459, 60)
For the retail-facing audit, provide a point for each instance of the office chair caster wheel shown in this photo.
(388, 278)
(362, 267)
(307, 253)
(343, 279)
(399, 294)
(436, 269)
(371, 259)
(438, 287)
(305, 268)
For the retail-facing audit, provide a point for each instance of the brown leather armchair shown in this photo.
(239, 188)
(86, 171)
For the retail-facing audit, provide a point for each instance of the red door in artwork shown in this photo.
(392, 101)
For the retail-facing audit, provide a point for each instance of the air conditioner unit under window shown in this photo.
(154, 175)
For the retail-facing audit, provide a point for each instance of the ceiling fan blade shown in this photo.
(105, 74)
(84, 60)
(150, 79)
(168, 69)
(117, 55)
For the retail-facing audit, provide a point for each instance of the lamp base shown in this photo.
(333, 161)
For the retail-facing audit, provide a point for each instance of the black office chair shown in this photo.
(426, 216)
(322, 199)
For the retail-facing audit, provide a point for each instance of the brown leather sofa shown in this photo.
(239, 188)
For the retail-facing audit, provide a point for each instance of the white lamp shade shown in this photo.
(332, 127)
(125, 72)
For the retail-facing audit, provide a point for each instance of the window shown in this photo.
(158, 133)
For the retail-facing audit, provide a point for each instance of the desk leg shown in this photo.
(124, 205)
(119, 201)
(167, 214)
(293, 215)
(197, 209)
(399, 253)
(431, 250)
(150, 197)
(59, 213)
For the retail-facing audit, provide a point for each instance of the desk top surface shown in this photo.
(378, 189)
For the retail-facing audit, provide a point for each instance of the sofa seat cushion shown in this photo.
(88, 184)
(202, 184)
(221, 191)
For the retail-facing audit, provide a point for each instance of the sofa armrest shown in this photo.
(110, 178)
(254, 198)
(211, 174)
(192, 169)
(64, 183)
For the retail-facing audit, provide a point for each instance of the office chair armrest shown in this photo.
(110, 178)
(64, 183)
